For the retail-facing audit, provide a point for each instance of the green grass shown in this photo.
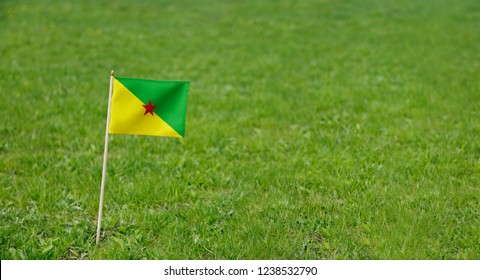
(315, 130)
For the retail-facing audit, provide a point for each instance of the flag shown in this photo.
(148, 107)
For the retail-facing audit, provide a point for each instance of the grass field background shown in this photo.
(315, 130)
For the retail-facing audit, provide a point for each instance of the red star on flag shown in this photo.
(149, 108)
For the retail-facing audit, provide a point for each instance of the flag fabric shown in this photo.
(148, 107)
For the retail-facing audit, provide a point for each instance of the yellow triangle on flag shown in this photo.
(127, 116)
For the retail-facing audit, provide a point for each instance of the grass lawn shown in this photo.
(315, 130)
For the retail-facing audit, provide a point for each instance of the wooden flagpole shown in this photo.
(104, 170)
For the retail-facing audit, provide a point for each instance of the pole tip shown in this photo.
(112, 72)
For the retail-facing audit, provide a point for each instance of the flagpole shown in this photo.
(104, 169)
